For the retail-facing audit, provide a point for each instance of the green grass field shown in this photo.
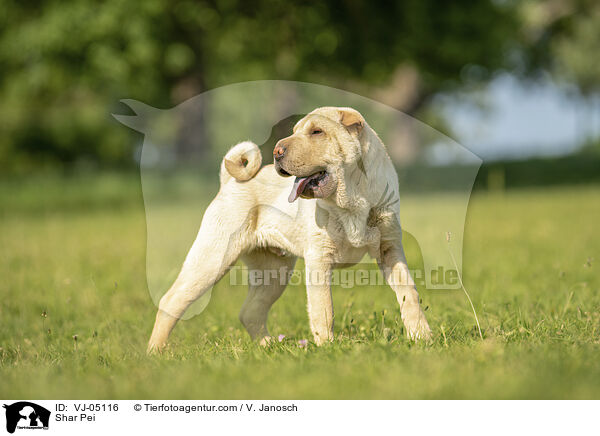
(76, 249)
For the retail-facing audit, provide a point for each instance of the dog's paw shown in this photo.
(266, 340)
(322, 339)
(153, 349)
(418, 330)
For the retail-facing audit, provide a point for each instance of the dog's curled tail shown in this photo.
(242, 162)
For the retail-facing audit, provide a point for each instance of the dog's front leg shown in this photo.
(320, 303)
(395, 270)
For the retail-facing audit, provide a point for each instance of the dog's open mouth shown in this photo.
(309, 187)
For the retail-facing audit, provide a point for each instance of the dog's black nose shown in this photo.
(279, 151)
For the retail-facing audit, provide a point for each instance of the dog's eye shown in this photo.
(316, 131)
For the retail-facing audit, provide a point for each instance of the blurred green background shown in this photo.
(72, 219)
(65, 65)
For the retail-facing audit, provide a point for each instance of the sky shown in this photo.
(521, 119)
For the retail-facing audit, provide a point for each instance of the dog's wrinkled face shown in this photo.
(322, 141)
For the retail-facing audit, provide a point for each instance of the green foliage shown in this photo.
(573, 50)
(563, 37)
(65, 65)
(530, 266)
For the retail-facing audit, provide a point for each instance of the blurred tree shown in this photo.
(563, 37)
(66, 64)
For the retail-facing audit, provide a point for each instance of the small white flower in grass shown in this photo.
(302, 343)
(280, 338)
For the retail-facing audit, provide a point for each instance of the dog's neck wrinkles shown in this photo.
(352, 203)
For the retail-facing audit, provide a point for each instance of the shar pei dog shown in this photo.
(331, 196)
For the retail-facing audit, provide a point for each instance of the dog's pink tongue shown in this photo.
(297, 189)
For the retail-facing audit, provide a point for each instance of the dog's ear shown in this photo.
(351, 119)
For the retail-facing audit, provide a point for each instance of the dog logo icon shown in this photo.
(26, 415)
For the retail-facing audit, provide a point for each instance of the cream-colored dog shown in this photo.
(348, 206)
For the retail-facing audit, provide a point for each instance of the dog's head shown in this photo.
(321, 142)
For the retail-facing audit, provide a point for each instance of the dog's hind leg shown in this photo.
(268, 275)
(221, 239)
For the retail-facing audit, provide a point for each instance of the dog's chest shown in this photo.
(342, 252)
